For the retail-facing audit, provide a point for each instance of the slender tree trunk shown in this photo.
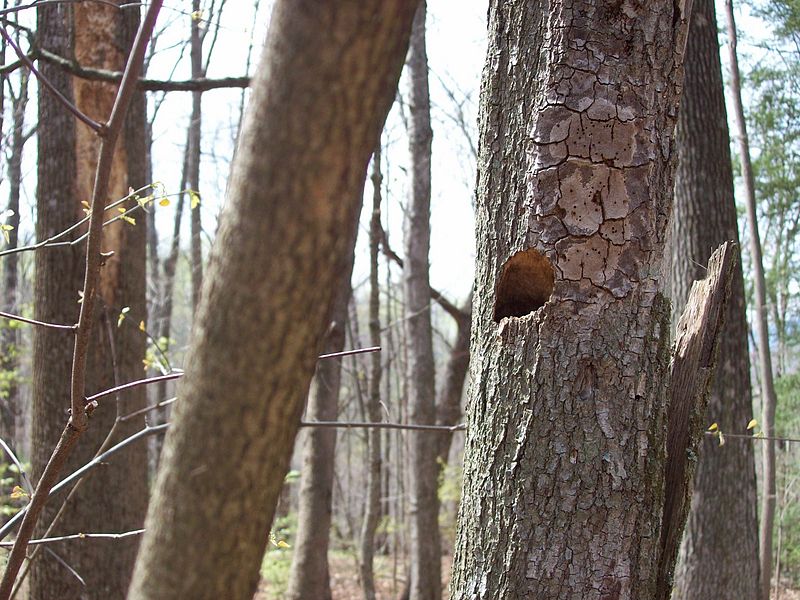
(10, 408)
(327, 80)
(114, 498)
(193, 159)
(719, 555)
(768, 395)
(448, 405)
(372, 507)
(565, 462)
(310, 576)
(425, 545)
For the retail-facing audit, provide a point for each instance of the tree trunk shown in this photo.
(448, 405)
(11, 410)
(424, 540)
(328, 77)
(114, 498)
(310, 576)
(372, 507)
(193, 159)
(565, 452)
(768, 395)
(719, 555)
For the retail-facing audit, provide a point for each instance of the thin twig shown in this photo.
(133, 384)
(366, 425)
(79, 473)
(350, 352)
(11, 317)
(147, 409)
(78, 536)
(23, 475)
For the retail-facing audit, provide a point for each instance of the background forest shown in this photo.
(364, 511)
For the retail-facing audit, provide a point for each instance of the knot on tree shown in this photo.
(525, 284)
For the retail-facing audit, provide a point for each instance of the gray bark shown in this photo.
(768, 395)
(565, 453)
(328, 77)
(193, 149)
(424, 539)
(719, 554)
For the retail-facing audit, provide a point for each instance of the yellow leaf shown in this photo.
(17, 493)
(195, 199)
(752, 424)
(163, 202)
(141, 325)
(282, 544)
(147, 363)
(713, 427)
(85, 204)
(121, 209)
(128, 220)
(197, 15)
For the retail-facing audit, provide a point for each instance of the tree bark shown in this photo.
(113, 499)
(310, 575)
(193, 148)
(328, 77)
(11, 410)
(719, 554)
(424, 540)
(372, 506)
(768, 395)
(565, 453)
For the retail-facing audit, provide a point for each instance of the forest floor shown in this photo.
(389, 576)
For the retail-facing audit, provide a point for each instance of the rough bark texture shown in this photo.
(328, 76)
(565, 451)
(310, 576)
(719, 554)
(114, 498)
(423, 507)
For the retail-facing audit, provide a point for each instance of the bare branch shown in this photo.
(11, 317)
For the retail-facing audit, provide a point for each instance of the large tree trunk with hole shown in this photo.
(719, 554)
(565, 452)
(113, 498)
(424, 544)
(328, 76)
(310, 575)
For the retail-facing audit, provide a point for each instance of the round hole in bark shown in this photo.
(525, 284)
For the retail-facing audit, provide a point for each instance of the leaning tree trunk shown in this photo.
(719, 555)
(114, 498)
(328, 77)
(565, 454)
(424, 541)
(768, 395)
(310, 575)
